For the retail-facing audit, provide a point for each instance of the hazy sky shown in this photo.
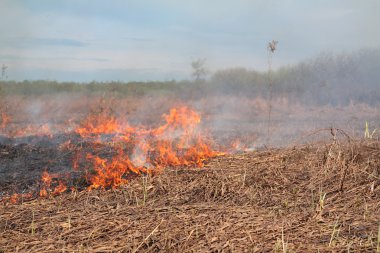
(84, 40)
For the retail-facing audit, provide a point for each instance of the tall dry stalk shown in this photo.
(2, 104)
(272, 46)
(4, 75)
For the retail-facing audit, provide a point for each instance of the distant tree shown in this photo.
(199, 69)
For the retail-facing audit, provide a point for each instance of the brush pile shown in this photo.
(322, 197)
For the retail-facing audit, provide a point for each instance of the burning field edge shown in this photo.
(320, 197)
(102, 152)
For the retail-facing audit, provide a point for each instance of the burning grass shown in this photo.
(132, 151)
(178, 142)
(104, 183)
(322, 197)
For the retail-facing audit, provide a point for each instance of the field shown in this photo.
(107, 172)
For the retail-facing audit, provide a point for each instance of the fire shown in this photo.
(45, 130)
(16, 198)
(43, 192)
(110, 173)
(239, 146)
(5, 119)
(98, 125)
(103, 123)
(181, 117)
(177, 142)
(60, 188)
(46, 188)
(46, 182)
(46, 178)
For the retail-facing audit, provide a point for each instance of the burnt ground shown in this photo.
(22, 165)
(320, 197)
(24, 159)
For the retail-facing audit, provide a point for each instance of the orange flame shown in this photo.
(177, 142)
(16, 198)
(5, 119)
(110, 174)
(60, 188)
(43, 192)
(46, 180)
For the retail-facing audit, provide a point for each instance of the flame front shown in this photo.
(178, 142)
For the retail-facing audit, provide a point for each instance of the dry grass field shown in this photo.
(323, 197)
(114, 175)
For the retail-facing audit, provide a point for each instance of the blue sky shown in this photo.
(84, 40)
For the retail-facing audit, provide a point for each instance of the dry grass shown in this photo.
(324, 197)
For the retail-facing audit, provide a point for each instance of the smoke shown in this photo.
(340, 90)
(330, 90)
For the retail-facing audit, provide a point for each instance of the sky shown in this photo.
(142, 40)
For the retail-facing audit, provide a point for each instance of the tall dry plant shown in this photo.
(3, 105)
(4, 72)
(271, 48)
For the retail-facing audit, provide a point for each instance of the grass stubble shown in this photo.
(247, 202)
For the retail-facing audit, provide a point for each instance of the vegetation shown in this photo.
(326, 79)
(199, 69)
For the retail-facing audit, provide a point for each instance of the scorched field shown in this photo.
(207, 175)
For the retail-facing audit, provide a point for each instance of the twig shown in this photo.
(343, 177)
(318, 131)
(151, 233)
